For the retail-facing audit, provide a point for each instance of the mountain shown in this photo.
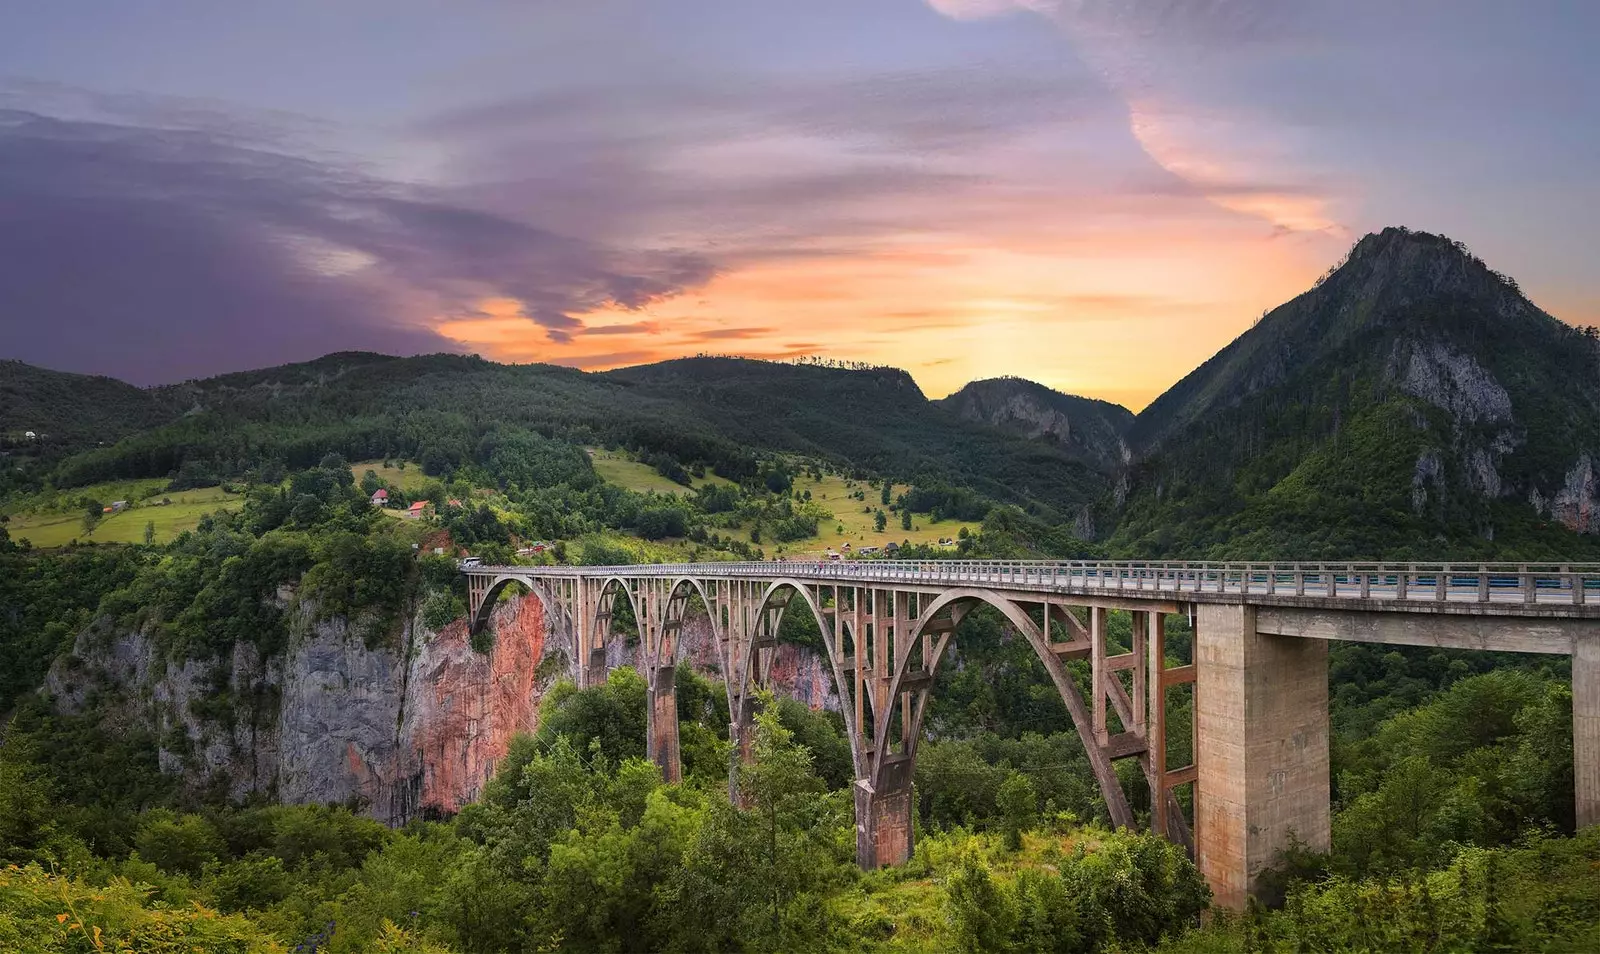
(1413, 404)
(1090, 430)
(71, 410)
(451, 410)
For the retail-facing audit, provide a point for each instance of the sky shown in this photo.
(1094, 194)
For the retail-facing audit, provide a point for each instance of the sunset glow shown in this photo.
(1094, 196)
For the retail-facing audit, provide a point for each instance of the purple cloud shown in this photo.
(159, 253)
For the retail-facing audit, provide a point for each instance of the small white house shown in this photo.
(380, 498)
(30, 435)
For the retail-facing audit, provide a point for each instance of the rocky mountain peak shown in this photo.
(1398, 267)
(1090, 429)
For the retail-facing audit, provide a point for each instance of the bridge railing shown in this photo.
(1566, 583)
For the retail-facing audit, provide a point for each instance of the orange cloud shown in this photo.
(1122, 320)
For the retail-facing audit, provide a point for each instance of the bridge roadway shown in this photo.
(1258, 674)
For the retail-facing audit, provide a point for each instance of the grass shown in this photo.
(615, 467)
(59, 529)
(72, 502)
(409, 480)
(834, 493)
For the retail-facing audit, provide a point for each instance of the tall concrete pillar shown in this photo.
(883, 817)
(742, 733)
(1586, 728)
(1261, 720)
(661, 740)
(595, 672)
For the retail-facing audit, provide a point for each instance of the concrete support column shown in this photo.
(883, 817)
(742, 733)
(662, 734)
(595, 672)
(1261, 714)
(1586, 728)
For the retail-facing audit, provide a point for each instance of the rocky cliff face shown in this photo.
(1413, 399)
(398, 732)
(1090, 430)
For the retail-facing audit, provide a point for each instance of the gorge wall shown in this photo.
(398, 732)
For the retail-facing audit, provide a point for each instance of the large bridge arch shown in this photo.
(960, 602)
(562, 618)
(750, 645)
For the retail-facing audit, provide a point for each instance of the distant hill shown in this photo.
(1414, 403)
(452, 410)
(1090, 430)
(69, 410)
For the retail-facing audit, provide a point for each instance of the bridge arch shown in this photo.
(960, 601)
(560, 618)
(749, 668)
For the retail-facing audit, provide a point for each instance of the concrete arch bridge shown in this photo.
(1259, 671)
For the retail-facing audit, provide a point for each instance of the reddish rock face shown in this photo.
(400, 733)
(463, 706)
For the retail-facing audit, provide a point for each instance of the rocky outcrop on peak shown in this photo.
(1092, 431)
(1406, 405)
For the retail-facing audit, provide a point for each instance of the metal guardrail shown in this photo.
(1450, 583)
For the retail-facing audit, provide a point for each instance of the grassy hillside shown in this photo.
(857, 523)
(621, 469)
(449, 412)
(61, 520)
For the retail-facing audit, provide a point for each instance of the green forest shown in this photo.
(1453, 826)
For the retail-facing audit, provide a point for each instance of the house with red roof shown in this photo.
(380, 498)
(420, 509)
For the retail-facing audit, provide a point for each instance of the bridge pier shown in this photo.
(662, 739)
(595, 670)
(883, 816)
(742, 735)
(1261, 713)
(1586, 729)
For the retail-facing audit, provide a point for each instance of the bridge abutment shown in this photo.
(662, 740)
(1261, 712)
(1586, 729)
(883, 817)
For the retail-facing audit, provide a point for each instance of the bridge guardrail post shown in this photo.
(1483, 583)
(1530, 589)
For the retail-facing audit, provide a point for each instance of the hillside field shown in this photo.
(618, 468)
(834, 492)
(49, 529)
(410, 479)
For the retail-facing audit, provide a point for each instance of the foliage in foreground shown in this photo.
(1542, 896)
(43, 913)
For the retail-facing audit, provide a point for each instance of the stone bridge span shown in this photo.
(1259, 669)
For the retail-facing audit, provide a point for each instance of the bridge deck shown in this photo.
(1569, 590)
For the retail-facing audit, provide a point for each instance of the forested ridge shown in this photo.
(1414, 405)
